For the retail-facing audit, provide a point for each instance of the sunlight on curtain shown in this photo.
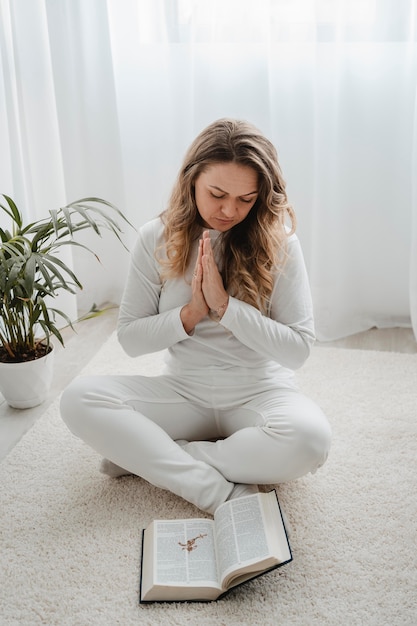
(332, 84)
(111, 93)
(31, 159)
(30, 126)
(60, 126)
(89, 129)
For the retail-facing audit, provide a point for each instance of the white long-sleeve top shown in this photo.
(267, 345)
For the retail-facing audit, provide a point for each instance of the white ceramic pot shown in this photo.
(27, 384)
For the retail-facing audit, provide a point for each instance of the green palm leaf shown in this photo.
(31, 269)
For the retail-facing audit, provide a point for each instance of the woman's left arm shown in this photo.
(287, 333)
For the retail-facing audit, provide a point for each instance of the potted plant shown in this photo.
(31, 275)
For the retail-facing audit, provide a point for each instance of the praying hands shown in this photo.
(208, 292)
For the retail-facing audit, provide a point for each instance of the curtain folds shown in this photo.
(103, 98)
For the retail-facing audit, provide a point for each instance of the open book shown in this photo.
(202, 559)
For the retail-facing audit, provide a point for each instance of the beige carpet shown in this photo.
(70, 537)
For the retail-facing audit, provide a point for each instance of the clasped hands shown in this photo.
(207, 290)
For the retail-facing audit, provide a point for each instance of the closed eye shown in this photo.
(220, 196)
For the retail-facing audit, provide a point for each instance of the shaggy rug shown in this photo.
(70, 536)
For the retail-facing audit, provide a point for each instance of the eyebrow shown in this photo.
(243, 195)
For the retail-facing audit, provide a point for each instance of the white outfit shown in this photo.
(227, 388)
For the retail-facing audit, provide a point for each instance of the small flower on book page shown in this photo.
(191, 543)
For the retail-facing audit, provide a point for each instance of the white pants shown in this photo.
(263, 434)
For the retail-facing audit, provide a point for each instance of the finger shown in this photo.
(199, 258)
(207, 249)
(198, 274)
(206, 239)
(200, 250)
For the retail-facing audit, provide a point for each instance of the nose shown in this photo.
(228, 207)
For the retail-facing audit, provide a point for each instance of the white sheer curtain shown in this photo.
(103, 97)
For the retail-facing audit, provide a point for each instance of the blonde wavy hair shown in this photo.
(253, 250)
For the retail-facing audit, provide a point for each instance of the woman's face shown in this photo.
(225, 193)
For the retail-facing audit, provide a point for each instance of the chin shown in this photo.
(219, 225)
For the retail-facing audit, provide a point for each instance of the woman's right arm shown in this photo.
(141, 329)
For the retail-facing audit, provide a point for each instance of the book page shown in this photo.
(240, 533)
(184, 552)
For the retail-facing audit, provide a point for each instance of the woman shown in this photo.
(219, 281)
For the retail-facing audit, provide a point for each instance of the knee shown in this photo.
(311, 446)
(71, 404)
(313, 436)
(317, 442)
(87, 400)
(303, 444)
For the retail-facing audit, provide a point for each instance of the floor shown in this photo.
(81, 346)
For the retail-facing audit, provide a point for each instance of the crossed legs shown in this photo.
(134, 421)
